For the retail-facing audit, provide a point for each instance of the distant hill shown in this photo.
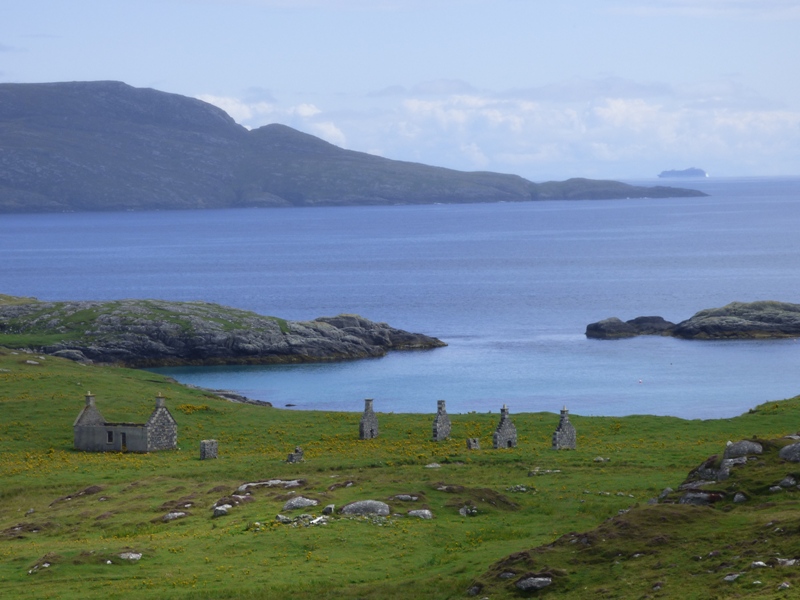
(105, 146)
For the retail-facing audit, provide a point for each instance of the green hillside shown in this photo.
(67, 516)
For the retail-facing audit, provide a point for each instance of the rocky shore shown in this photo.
(149, 333)
(738, 320)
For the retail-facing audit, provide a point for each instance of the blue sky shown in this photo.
(547, 89)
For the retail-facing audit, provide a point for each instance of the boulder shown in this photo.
(742, 448)
(790, 453)
(367, 507)
(422, 514)
(528, 584)
(610, 329)
(299, 502)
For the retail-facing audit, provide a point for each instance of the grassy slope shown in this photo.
(229, 557)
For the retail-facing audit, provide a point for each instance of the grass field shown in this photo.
(77, 512)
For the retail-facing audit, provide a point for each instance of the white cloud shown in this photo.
(242, 112)
(585, 131)
(305, 110)
(329, 132)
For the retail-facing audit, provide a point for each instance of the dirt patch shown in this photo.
(179, 504)
(19, 530)
(481, 496)
(341, 484)
(218, 489)
(450, 488)
(105, 515)
(234, 500)
(92, 489)
(47, 561)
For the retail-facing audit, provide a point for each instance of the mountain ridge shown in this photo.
(108, 146)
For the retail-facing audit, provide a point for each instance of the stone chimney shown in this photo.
(159, 401)
(89, 399)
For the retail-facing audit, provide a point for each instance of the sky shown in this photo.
(546, 89)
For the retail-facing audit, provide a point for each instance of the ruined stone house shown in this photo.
(564, 437)
(368, 426)
(441, 423)
(505, 436)
(94, 434)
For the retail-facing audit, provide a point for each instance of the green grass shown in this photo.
(231, 557)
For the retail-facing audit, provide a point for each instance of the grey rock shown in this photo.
(422, 514)
(614, 328)
(221, 511)
(737, 320)
(468, 511)
(758, 564)
(143, 333)
(283, 519)
(299, 502)
(173, 515)
(790, 453)
(742, 448)
(775, 488)
(75, 355)
(700, 498)
(283, 483)
(732, 577)
(665, 492)
(788, 482)
(739, 497)
(366, 507)
(533, 583)
(405, 498)
(743, 320)
(328, 510)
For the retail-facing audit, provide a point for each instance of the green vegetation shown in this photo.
(89, 508)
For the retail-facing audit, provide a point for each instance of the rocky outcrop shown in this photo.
(614, 328)
(737, 320)
(143, 333)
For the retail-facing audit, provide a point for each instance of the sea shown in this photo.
(510, 287)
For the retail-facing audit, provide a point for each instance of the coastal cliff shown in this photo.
(738, 320)
(149, 333)
(107, 146)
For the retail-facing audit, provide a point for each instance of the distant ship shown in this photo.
(691, 172)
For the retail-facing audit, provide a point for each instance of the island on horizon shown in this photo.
(690, 173)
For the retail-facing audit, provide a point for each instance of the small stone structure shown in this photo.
(564, 437)
(208, 449)
(473, 444)
(441, 423)
(368, 427)
(92, 433)
(296, 456)
(505, 436)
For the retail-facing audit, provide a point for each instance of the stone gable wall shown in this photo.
(162, 431)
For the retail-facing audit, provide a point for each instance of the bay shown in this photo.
(510, 288)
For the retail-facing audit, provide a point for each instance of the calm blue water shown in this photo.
(510, 288)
